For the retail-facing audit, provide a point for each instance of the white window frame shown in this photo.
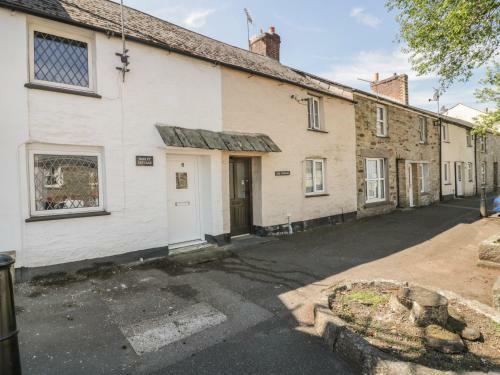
(314, 120)
(424, 178)
(63, 32)
(315, 191)
(445, 133)
(31, 170)
(382, 122)
(422, 124)
(468, 138)
(482, 143)
(483, 173)
(380, 162)
(446, 172)
(470, 172)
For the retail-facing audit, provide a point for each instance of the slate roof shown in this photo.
(104, 15)
(210, 140)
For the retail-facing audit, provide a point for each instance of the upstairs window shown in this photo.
(381, 121)
(468, 138)
(422, 127)
(65, 182)
(445, 133)
(315, 176)
(60, 59)
(313, 111)
(482, 143)
(375, 179)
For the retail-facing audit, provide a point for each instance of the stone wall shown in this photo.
(401, 147)
(491, 156)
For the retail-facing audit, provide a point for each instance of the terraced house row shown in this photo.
(169, 139)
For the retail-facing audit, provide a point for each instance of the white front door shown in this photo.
(182, 200)
(459, 178)
(409, 176)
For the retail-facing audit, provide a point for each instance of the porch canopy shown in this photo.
(210, 140)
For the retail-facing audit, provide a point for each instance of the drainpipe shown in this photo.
(475, 163)
(440, 160)
(397, 183)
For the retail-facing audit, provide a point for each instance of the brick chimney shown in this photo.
(394, 87)
(267, 44)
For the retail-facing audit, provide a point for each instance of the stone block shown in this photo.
(489, 250)
(496, 294)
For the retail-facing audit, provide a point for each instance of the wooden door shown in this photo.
(240, 195)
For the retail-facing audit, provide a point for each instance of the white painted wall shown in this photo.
(463, 112)
(161, 87)
(456, 150)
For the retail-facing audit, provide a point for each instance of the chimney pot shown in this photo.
(375, 77)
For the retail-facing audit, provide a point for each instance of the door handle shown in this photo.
(185, 203)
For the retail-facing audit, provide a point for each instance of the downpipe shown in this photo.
(10, 362)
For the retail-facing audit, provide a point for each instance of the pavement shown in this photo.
(245, 309)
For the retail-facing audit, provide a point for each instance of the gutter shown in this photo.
(166, 47)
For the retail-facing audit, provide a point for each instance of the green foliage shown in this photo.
(490, 92)
(449, 37)
(366, 297)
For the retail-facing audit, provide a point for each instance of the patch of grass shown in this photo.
(496, 326)
(366, 297)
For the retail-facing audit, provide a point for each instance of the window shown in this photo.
(313, 111)
(468, 138)
(424, 178)
(483, 173)
(65, 182)
(422, 124)
(375, 179)
(315, 176)
(470, 172)
(445, 132)
(482, 143)
(60, 58)
(381, 121)
(446, 172)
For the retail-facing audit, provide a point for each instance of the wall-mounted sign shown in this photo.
(143, 161)
(282, 173)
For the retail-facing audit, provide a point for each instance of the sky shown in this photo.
(339, 40)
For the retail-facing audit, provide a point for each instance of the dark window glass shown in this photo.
(61, 60)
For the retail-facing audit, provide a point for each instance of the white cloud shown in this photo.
(365, 63)
(197, 18)
(365, 18)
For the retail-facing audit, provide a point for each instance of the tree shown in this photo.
(490, 92)
(448, 37)
(452, 38)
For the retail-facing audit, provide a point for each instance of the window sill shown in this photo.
(37, 86)
(447, 184)
(66, 216)
(317, 195)
(317, 130)
(382, 136)
(445, 141)
(375, 204)
(423, 143)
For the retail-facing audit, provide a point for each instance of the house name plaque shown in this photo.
(143, 161)
(282, 173)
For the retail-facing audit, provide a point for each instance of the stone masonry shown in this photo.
(400, 149)
(267, 44)
(491, 156)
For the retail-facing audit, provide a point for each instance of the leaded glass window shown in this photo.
(60, 60)
(63, 182)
